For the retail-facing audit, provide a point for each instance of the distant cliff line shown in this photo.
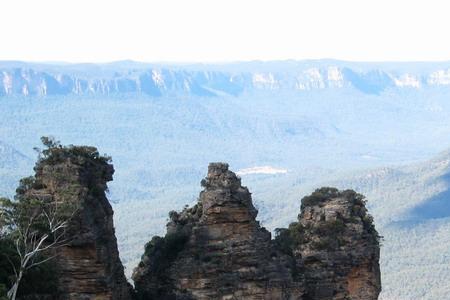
(159, 80)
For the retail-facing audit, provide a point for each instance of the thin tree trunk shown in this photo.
(12, 293)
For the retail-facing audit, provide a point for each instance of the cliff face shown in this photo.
(88, 266)
(213, 250)
(29, 79)
(339, 251)
(221, 251)
(217, 250)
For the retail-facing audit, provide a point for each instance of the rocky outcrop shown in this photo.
(213, 250)
(216, 250)
(88, 265)
(337, 246)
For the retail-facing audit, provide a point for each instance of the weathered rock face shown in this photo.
(217, 250)
(339, 249)
(89, 266)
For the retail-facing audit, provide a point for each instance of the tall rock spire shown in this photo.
(340, 247)
(223, 251)
(88, 265)
(218, 250)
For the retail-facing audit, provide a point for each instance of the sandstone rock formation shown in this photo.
(213, 250)
(338, 246)
(218, 250)
(88, 266)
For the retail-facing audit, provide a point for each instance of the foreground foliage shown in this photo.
(33, 225)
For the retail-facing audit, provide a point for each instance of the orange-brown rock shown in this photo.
(220, 250)
(217, 250)
(213, 250)
(339, 248)
(88, 265)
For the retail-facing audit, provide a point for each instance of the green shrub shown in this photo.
(323, 244)
(56, 153)
(283, 240)
(287, 239)
(162, 251)
(330, 228)
(319, 196)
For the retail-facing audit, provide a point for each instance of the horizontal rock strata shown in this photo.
(88, 265)
(222, 251)
(217, 250)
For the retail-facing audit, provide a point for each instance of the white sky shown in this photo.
(223, 30)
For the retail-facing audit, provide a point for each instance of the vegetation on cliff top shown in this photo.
(33, 225)
(288, 239)
(54, 153)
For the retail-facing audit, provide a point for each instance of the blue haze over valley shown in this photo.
(286, 127)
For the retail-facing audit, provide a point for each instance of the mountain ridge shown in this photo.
(209, 80)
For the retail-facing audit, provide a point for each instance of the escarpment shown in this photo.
(217, 250)
(88, 264)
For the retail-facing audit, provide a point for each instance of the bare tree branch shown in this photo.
(31, 242)
(41, 262)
